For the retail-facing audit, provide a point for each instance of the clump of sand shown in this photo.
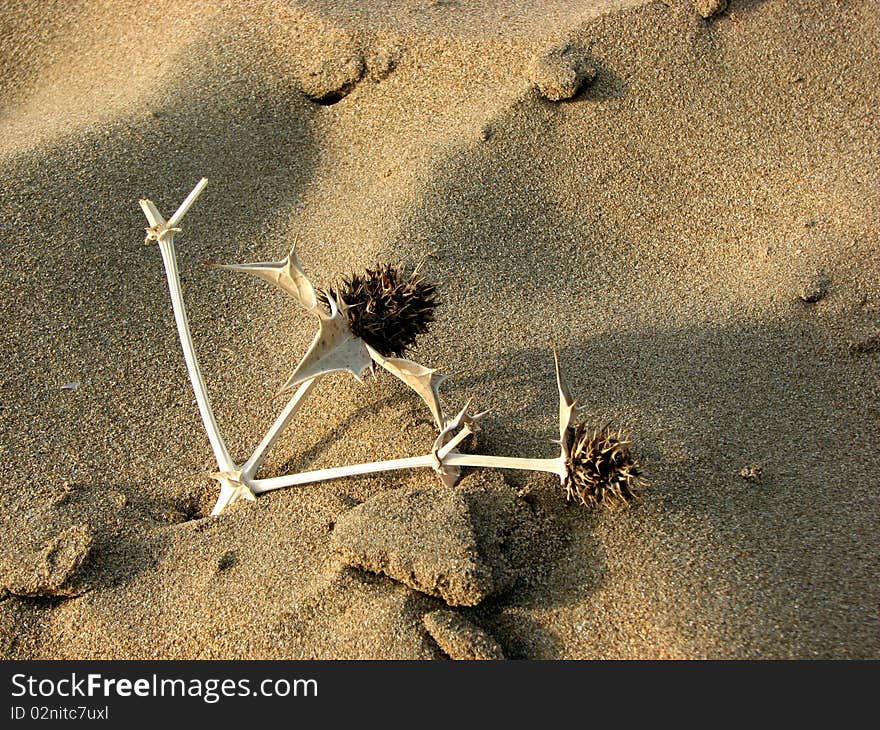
(461, 639)
(462, 544)
(708, 8)
(560, 72)
(50, 572)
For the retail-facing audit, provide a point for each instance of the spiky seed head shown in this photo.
(601, 469)
(387, 306)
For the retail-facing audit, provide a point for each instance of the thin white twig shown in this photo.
(307, 477)
(164, 235)
(175, 219)
(453, 442)
(253, 464)
(154, 217)
(552, 466)
(224, 461)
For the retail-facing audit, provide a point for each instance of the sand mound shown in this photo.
(560, 73)
(457, 543)
(51, 572)
(421, 538)
(461, 639)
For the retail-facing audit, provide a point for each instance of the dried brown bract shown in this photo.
(386, 307)
(601, 469)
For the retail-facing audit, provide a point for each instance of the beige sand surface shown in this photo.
(659, 227)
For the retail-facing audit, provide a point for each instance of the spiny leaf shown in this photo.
(286, 274)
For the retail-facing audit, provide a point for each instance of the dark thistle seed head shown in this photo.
(386, 307)
(601, 469)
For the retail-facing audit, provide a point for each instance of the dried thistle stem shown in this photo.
(596, 467)
(163, 233)
(552, 466)
(186, 204)
(253, 464)
(339, 472)
(428, 461)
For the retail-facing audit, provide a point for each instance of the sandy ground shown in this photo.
(660, 227)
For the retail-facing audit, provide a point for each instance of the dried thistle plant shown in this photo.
(373, 318)
(601, 468)
(335, 348)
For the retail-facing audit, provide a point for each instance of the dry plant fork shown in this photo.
(334, 348)
(595, 467)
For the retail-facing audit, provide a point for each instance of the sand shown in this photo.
(661, 226)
